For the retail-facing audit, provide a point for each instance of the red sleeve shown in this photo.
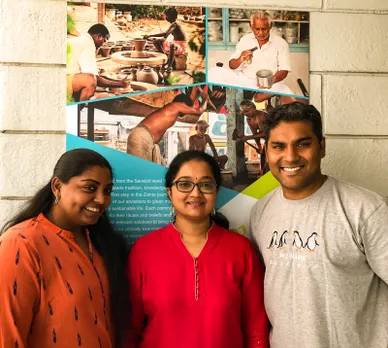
(135, 295)
(19, 289)
(254, 317)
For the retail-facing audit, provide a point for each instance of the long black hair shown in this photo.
(199, 156)
(111, 245)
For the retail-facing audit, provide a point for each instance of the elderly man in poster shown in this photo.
(256, 51)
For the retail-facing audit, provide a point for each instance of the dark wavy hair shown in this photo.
(199, 156)
(111, 245)
(292, 112)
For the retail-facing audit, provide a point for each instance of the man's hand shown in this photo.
(203, 94)
(123, 82)
(242, 137)
(246, 55)
(205, 100)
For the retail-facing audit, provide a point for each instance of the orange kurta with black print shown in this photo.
(51, 293)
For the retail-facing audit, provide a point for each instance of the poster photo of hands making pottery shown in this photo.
(116, 49)
(259, 49)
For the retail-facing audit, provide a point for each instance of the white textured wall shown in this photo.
(32, 96)
(349, 79)
(348, 83)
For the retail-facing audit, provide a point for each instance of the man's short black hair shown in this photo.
(99, 29)
(172, 13)
(293, 112)
(248, 104)
(183, 98)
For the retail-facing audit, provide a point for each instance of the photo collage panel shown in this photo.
(145, 83)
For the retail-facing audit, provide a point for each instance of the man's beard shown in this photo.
(263, 38)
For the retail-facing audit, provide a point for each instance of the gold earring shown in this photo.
(172, 210)
(213, 213)
(56, 199)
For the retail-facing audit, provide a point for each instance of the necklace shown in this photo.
(182, 234)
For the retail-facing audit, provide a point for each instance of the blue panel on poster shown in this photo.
(123, 165)
(139, 200)
(224, 196)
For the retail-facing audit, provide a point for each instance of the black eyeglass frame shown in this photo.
(195, 184)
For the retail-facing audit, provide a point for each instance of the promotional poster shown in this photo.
(160, 80)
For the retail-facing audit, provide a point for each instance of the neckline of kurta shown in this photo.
(66, 234)
(213, 235)
(56, 229)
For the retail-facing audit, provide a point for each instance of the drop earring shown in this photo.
(172, 210)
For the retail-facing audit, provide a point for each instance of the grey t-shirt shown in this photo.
(326, 260)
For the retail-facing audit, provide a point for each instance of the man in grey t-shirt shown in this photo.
(324, 243)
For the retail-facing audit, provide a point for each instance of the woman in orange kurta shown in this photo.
(62, 280)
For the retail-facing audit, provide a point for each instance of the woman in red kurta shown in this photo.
(194, 284)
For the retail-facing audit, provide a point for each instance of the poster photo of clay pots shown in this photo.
(123, 49)
(261, 50)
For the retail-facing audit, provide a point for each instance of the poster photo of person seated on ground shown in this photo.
(121, 49)
(260, 49)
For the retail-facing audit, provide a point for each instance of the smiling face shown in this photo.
(193, 205)
(294, 156)
(83, 198)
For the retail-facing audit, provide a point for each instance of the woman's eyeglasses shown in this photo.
(188, 186)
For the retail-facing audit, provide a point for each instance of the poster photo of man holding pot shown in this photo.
(261, 58)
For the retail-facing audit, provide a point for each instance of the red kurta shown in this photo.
(212, 301)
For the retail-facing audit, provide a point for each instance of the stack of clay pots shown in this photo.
(128, 16)
(106, 48)
(111, 14)
(236, 13)
(215, 12)
(127, 46)
(234, 28)
(290, 32)
(214, 31)
(245, 28)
